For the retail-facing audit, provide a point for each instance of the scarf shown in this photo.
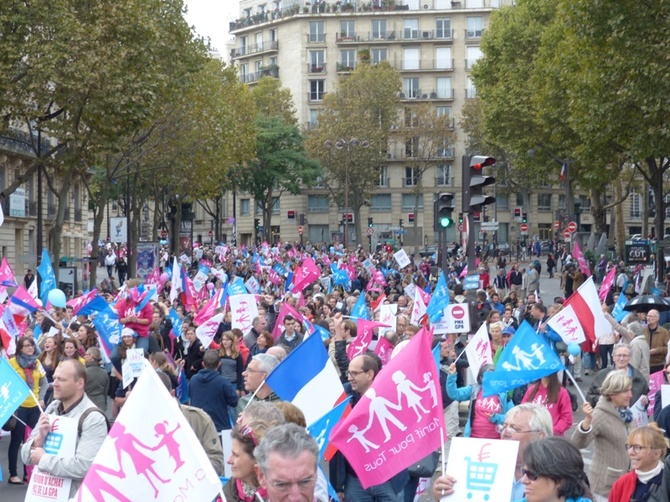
(626, 415)
(247, 493)
(28, 363)
(646, 476)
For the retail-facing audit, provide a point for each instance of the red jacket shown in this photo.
(623, 488)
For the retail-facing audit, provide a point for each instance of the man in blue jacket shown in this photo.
(212, 392)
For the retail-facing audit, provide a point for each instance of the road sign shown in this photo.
(210, 233)
(557, 225)
(163, 233)
(524, 227)
(458, 312)
(490, 225)
(371, 230)
(460, 227)
(572, 227)
(567, 234)
(300, 229)
(401, 232)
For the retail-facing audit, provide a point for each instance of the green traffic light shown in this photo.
(446, 222)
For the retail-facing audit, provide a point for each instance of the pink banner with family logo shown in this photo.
(655, 382)
(363, 338)
(398, 421)
(151, 453)
(305, 275)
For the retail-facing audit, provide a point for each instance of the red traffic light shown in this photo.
(480, 161)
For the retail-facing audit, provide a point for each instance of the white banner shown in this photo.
(567, 325)
(456, 319)
(244, 309)
(402, 259)
(478, 350)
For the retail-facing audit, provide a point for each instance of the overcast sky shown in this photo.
(211, 18)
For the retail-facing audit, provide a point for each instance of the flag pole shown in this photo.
(254, 394)
(581, 394)
(36, 400)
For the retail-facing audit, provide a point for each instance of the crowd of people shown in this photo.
(272, 457)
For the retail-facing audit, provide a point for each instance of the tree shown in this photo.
(427, 138)
(281, 165)
(364, 107)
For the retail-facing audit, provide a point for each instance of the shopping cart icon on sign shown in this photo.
(480, 477)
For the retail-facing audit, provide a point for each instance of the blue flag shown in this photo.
(13, 390)
(236, 287)
(94, 306)
(360, 309)
(108, 327)
(526, 358)
(279, 268)
(48, 276)
(320, 429)
(438, 301)
(177, 323)
(436, 356)
(182, 387)
(618, 312)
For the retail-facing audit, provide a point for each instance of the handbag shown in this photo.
(425, 468)
(10, 424)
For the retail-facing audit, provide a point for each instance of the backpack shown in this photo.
(86, 413)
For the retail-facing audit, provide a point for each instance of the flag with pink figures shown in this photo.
(399, 420)
(151, 453)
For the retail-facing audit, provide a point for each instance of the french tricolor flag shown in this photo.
(21, 303)
(564, 172)
(308, 379)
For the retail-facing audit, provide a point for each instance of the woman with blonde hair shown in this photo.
(646, 449)
(607, 427)
(231, 361)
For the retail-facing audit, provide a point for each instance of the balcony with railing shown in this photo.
(382, 181)
(444, 153)
(314, 69)
(253, 77)
(319, 8)
(316, 39)
(346, 67)
(255, 49)
(343, 38)
(444, 181)
(21, 142)
(409, 181)
(419, 95)
(315, 97)
(425, 65)
(473, 35)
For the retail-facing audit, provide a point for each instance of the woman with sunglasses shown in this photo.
(243, 484)
(607, 427)
(554, 472)
(29, 368)
(646, 447)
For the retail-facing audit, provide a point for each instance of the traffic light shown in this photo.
(460, 218)
(474, 182)
(443, 208)
(524, 217)
(257, 223)
(370, 222)
(401, 222)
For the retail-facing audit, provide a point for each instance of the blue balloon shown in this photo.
(574, 349)
(57, 298)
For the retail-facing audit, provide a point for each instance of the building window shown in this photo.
(474, 27)
(410, 58)
(317, 204)
(502, 201)
(544, 202)
(411, 118)
(470, 90)
(316, 89)
(408, 201)
(445, 150)
(380, 202)
(379, 29)
(317, 60)
(316, 31)
(259, 41)
(276, 205)
(443, 85)
(472, 55)
(519, 199)
(348, 59)
(378, 55)
(410, 179)
(443, 27)
(411, 147)
(383, 180)
(347, 28)
(313, 118)
(443, 175)
(443, 59)
(273, 35)
(411, 86)
(411, 29)
(545, 231)
(244, 207)
(442, 111)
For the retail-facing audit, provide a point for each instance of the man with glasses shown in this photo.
(257, 371)
(621, 362)
(286, 464)
(524, 423)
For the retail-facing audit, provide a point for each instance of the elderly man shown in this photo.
(260, 366)
(657, 338)
(622, 356)
(257, 325)
(69, 401)
(286, 464)
(524, 423)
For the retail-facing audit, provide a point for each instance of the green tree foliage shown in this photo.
(364, 107)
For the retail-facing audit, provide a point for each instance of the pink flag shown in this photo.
(583, 264)
(424, 296)
(305, 275)
(607, 284)
(398, 421)
(384, 349)
(655, 382)
(78, 303)
(274, 277)
(464, 272)
(208, 310)
(363, 337)
(7, 277)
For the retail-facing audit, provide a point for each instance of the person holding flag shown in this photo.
(29, 368)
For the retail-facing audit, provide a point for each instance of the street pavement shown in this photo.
(549, 288)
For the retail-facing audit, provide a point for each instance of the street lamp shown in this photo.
(342, 144)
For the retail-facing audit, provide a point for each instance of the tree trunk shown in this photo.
(156, 219)
(598, 212)
(620, 234)
(659, 220)
(98, 218)
(176, 203)
(56, 230)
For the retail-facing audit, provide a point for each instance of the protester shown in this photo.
(27, 366)
(549, 392)
(69, 401)
(50, 359)
(607, 427)
(97, 379)
(257, 371)
(657, 338)
(622, 354)
(646, 449)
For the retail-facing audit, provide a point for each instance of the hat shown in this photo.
(509, 330)
(128, 332)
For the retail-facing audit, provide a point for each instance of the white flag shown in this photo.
(206, 331)
(175, 285)
(478, 350)
(419, 308)
(567, 325)
(151, 453)
(2, 216)
(244, 308)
